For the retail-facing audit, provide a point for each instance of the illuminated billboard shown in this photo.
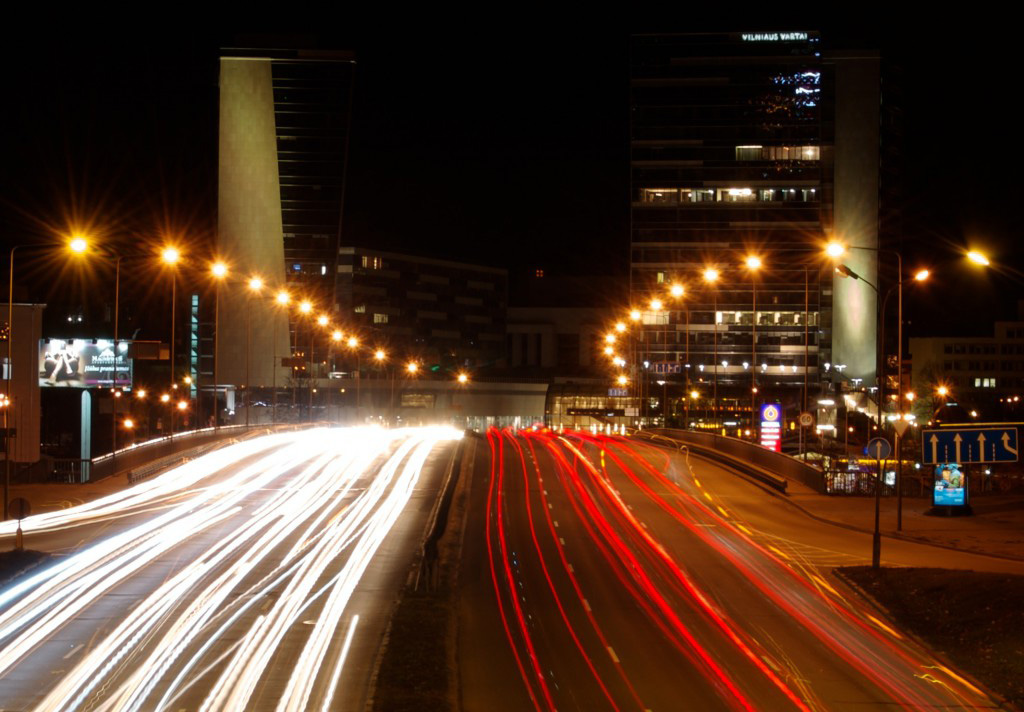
(84, 363)
(950, 486)
(771, 426)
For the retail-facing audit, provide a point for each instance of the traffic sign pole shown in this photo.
(881, 449)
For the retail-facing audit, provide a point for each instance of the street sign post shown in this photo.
(969, 445)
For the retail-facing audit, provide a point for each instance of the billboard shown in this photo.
(84, 363)
(950, 486)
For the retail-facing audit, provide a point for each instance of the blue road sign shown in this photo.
(969, 445)
(667, 367)
(878, 448)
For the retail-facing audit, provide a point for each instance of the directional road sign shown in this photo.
(967, 445)
(878, 448)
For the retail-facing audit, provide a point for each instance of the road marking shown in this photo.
(744, 529)
(884, 627)
(708, 496)
(586, 604)
(561, 541)
(779, 552)
(74, 650)
(556, 524)
(571, 569)
(724, 513)
(550, 506)
(612, 653)
(697, 482)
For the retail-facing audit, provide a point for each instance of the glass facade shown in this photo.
(731, 140)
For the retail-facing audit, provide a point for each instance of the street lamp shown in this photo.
(281, 299)
(255, 285)
(711, 277)
(753, 264)
(219, 270)
(170, 256)
(76, 245)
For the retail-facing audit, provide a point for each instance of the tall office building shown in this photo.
(754, 144)
(284, 128)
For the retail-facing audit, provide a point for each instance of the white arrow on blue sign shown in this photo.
(969, 445)
(879, 448)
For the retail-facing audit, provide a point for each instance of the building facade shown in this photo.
(985, 373)
(284, 128)
(763, 145)
(443, 313)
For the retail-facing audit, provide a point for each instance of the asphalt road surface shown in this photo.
(260, 576)
(603, 573)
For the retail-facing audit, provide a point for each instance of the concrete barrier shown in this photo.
(744, 454)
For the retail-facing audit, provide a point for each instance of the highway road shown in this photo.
(260, 576)
(620, 576)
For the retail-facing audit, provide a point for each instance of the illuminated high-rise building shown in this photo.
(284, 133)
(758, 145)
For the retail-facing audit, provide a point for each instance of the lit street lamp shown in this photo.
(219, 270)
(170, 256)
(710, 277)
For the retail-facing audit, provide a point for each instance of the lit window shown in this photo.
(662, 196)
(380, 318)
(359, 309)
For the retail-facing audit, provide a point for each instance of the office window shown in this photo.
(380, 318)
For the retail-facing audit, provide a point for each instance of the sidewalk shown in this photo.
(995, 528)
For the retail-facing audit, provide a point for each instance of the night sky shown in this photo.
(505, 145)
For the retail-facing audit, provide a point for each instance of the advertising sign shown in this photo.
(771, 426)
(950, 486)
(84, 363)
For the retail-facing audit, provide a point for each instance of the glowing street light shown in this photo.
(622, 380)
(835, 249)
(379, 355)
(322, 320)
(978, 258)
(609, 338)
(255, 284)
(620, 326)
(305, 306)
(677, 290)
(462, 378)
(412, 367)
(170, 255)
(282, 297)
(656, 305)
(78, 244)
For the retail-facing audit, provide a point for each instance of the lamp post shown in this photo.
(379, 357)
(677, 292)
(219, 270)
(281, 300)
(255, 287)
(710, 277)
(77, 245)
(656, 305)
(753, 263)
(353, 343)
(170, 256)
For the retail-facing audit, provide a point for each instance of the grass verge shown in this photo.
(975, 619)
(14, 563)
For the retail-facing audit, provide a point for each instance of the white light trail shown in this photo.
(267, 528)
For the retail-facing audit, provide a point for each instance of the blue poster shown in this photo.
(950, 486)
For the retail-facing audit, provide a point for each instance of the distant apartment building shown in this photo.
(983, 372)
(449, 314)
